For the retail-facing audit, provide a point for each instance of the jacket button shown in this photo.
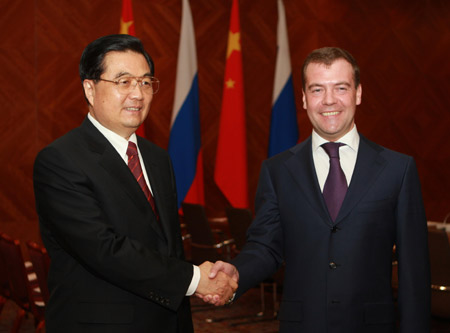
(334, 229)
(332, 265)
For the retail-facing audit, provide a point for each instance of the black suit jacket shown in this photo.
(113, 267)
(338, 275)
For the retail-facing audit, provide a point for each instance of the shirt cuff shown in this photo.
(194, 282)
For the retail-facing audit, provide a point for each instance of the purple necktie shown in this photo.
(336, 184)
(135, 167)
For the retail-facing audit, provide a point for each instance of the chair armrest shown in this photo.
(214, 246)
(440, 288)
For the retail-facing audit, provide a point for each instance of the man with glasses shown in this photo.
(107, 207)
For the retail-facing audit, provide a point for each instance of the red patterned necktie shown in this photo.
(335, 186)
(135, 167)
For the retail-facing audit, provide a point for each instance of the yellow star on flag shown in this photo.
(234, 42)
(230, 83)
(124, 26)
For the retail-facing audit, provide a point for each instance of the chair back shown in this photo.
(439, 247)
(41, 265)
(197, 224)
(4, 281)
(25, 294)
(239, 219)
(202, 237)
(15, 268)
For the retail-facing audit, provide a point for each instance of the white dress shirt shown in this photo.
(347, 155)
(121, 145)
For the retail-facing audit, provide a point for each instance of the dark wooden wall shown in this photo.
(402, 47)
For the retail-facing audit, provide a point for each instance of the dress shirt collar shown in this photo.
(117, 141)
(351, 139)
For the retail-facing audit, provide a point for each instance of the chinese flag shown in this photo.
(127, 28)
(230, 172)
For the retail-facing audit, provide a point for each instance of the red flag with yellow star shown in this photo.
(126, 20)
(230, 173)
(127, 28)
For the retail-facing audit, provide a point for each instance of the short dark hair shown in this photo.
(327, 56)
(92, 60)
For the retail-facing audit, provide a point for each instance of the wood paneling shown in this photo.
(402, 48)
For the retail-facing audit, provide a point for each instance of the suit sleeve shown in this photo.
(262, 254)
(412, 253)
(72, 216)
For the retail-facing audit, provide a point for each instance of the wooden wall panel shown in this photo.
(401, 46)
(17, 117)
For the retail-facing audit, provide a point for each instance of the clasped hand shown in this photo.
(218, 282)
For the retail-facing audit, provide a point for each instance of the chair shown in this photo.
(41, 265)
(206, 243)
(438, 244)
(5, 291)
(23, 293)
(446, 218)
(239, 219)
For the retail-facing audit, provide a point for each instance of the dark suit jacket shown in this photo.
(338, 275)
(113, 268)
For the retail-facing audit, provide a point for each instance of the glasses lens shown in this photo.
(126, 84)
(155, 85)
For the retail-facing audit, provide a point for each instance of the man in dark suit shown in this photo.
(112, 229)
(338, 256)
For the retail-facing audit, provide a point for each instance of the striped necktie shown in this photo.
(135, 166)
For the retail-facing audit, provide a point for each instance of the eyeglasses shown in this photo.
(125, 85)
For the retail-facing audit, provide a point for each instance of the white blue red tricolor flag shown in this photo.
(184, 141)
(283, 125)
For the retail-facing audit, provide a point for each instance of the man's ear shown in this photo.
(89, 91)
(304, 100)
(358, 94)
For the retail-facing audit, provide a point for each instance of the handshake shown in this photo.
(218, 282)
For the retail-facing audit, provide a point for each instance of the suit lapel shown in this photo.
(110, 160)
(369, 164)
(301, 168)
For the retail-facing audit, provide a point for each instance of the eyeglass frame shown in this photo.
(138, 79)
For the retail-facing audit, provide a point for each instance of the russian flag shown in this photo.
(283, 126)
(184, 141)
